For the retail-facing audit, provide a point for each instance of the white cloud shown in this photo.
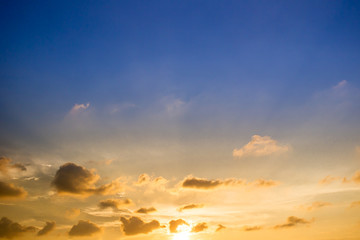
(260, 146)
(79, 107)
(340, 85)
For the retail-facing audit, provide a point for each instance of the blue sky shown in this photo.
(254, 104)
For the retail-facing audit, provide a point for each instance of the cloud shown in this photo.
(292, 221)
(251, 228)
(355, 204)
(316, 205)
(174, 224)
(220, 227)
(72, 179)
(260, 146)
(78, 107)
(356, 177)
(135, 225)
(144, 179)
(72, 213)
(10, 191)
(340, 85)
(49, 226)
(84, 228)
(190, 206)
(328, 180)
(146, 210)
(199, 227)
(5, 166)
(10, 229)
(115, 204)
(205, 184)
(264, 183)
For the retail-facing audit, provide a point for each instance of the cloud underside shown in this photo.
(251, 228)
(10, 229)
(49, 226)
(199, 227)
(190, 206)
(115, 204)
(220, 227)
(10, 191)
(73, 179)
(205, 184)
(135, 225)
(292, 221)
(354, 179)
(260, 146)
(146, 210)
(6, 166)
(84, 228)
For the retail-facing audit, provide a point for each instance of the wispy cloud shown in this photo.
(292, 221)
(315, 205)
(146, 210)
(190, 206)
(260, 146)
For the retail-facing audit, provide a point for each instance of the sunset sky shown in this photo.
(180, 120)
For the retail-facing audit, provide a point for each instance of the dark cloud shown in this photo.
(115, 204)
(205, 184)
(8, 190)
(199, 227)
(146, 210)
(251, 228)
(173, 225)
(292, 221)
(84, 228)
(5, 165)
(10, 229)
(135, 225)
(143, 178)
(76, 180)
(190, 206)
(49, 226)
(220, 227)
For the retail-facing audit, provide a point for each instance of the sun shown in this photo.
(183, 233)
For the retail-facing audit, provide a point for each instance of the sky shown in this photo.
(180, 120)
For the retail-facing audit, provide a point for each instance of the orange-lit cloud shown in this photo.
(72, 179)
(251, 228)
(135, 225)
(174, 224)
(220, 227)
(49, 226)
(292, 221)
(146, 210)
(190, 206)
(115, 204)
(146, 179)
(84, 228)
(260, 146)
(10, 229)
(6, 165)
(199, 227)
(10, 191)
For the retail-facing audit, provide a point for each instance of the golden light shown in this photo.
(183, 233)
